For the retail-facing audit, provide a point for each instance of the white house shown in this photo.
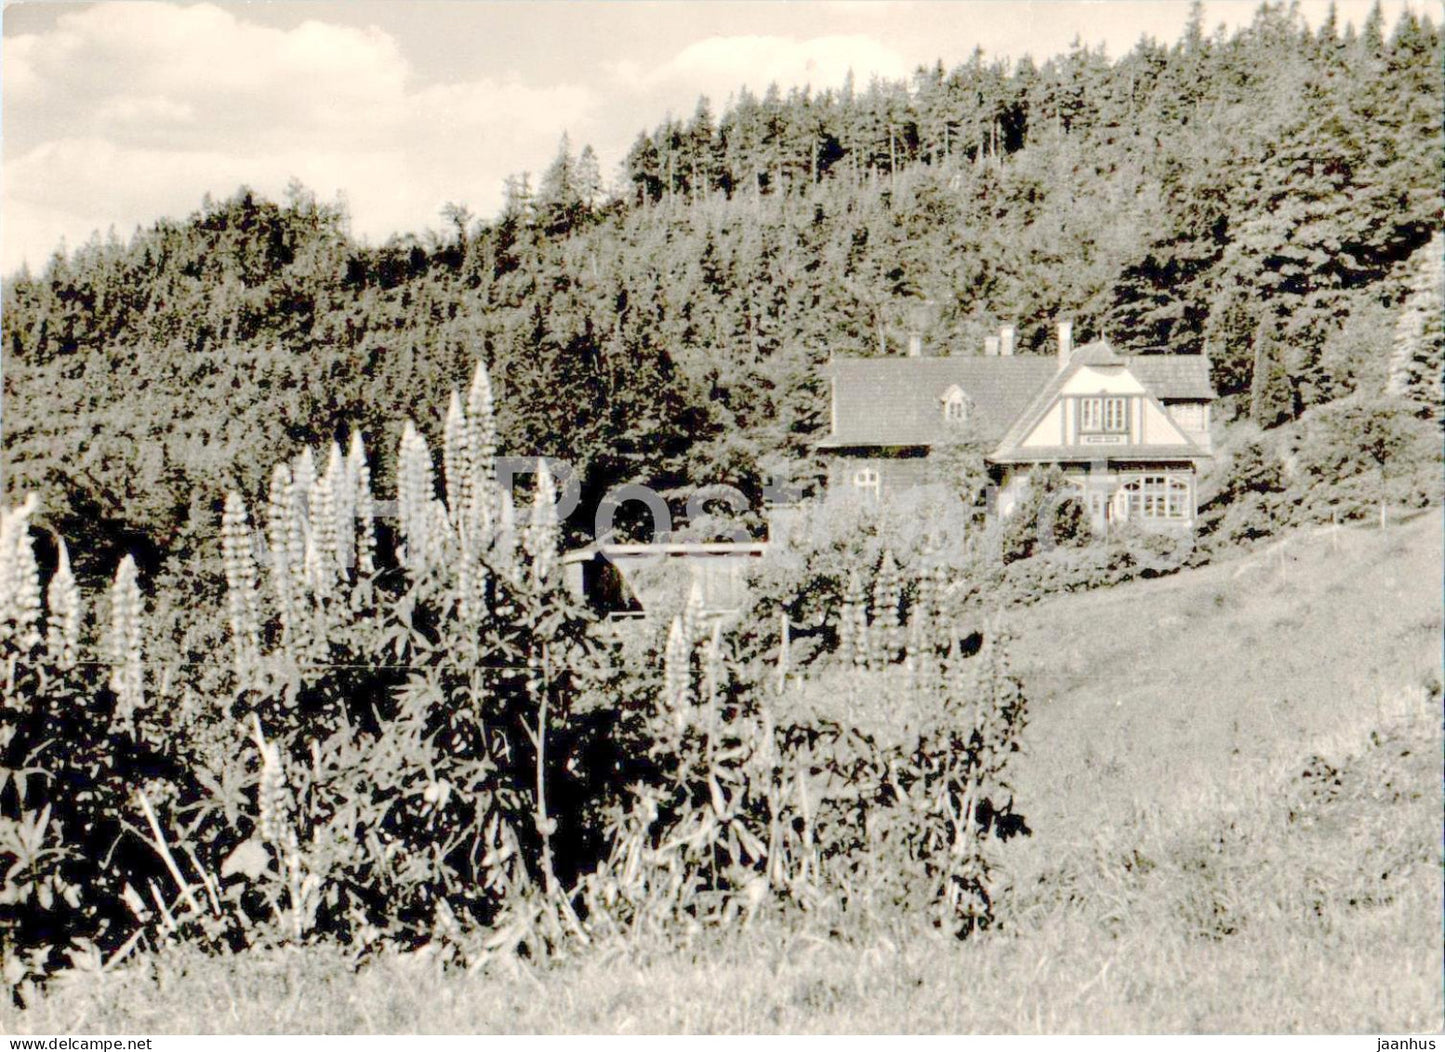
(1129, 431)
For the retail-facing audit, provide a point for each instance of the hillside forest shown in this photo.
(273, 686)
(1266, 196)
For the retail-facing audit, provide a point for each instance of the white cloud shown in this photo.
(148, 110)
(126, 112)
(205, 54)
(719, 66)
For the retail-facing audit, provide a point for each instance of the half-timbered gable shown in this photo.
(1095, 405)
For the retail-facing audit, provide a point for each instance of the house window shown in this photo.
(1155, 497)
(867, 482)
(1188, 415)
(1109, 415)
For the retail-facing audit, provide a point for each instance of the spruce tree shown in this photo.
(1271, 399)
(887, 598)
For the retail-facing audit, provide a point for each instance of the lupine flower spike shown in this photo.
(62, 628)
(239, 561)
(125, 642)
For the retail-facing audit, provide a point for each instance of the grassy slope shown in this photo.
(1184, 690)
(1233, 778)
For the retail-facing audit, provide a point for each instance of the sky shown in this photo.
(115, 114)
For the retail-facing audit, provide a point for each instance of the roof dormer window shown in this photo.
(955, 405)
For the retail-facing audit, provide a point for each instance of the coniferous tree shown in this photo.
(884, 629)
(1417, 362)
(1271, 400)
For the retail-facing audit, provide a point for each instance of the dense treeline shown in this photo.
(1253, 195)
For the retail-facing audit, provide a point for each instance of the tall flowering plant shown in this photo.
(407, 690)
(75, 739)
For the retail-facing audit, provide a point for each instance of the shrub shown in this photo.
(416, 737)
(740, 807)
(808, 565)
(1048, 515)
(1339, 461)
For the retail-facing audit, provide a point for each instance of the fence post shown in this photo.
(784, 645)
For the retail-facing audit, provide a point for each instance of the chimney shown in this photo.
(1066, 342)
(1006, 341)
(990, 346)
(915, 344)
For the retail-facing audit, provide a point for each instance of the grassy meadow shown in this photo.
(1232, 779)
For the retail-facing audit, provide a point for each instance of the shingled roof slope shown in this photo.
(899, 401)
(1173, 377)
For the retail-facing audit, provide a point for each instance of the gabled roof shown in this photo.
(1169, 377)
(1098, 355)
(899, 401)
(1093, 354)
